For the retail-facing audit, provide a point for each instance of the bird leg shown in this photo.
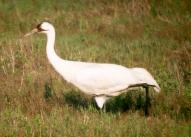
(147, 101)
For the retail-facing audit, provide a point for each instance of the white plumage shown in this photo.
(99, 80)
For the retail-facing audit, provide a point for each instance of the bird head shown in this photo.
(43, 27)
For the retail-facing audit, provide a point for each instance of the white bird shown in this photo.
(100, 80)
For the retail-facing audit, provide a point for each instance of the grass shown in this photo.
(36, 101)
(83, 123)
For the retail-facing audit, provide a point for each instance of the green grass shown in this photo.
(36, 101)
(67, 122)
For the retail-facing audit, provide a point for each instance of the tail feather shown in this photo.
(143, 75)
(155, 85)
(157, 88)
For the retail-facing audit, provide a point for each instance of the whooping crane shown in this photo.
(100, 80)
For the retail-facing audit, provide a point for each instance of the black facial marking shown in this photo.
(39, 28)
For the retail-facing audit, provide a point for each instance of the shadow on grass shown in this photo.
(130, 101)
(123, 103)
(76, 100)
(178, 108)
(126, 102)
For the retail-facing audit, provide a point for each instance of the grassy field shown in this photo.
(36, 102)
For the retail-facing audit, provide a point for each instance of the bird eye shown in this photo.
(39, 27)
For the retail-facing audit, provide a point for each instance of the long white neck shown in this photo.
(54, 59)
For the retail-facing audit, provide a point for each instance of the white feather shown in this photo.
(99, 80)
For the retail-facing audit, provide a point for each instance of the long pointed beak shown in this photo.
(30, 33)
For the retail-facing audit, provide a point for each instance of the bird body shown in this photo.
(100, 80)
(109, 79)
